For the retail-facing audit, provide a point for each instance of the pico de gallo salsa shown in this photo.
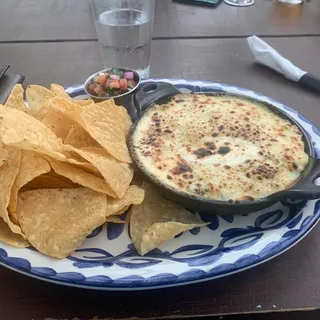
(111, 83)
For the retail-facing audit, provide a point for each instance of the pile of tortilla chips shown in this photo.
(65, 169)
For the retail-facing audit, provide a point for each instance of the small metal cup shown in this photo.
(125, 99)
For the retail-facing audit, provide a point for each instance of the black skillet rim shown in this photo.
(308, 146)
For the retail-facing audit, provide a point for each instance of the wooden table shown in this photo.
(55, 40)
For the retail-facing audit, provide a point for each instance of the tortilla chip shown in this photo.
(126, 122)
(21, 130)
(134, 195)
(104, 125)
(70, 109)
(3, 154)
(80, 138)
(83, 102)
(81, 163)
(81, 177)
(31, 166)
(58, 123)
(36, 97)
(118, 175)
(50, 180)
(59, 90)
(16, 99)
(115, 219)
(157, 220)
(13, 239)
(8, 174)
(44, 109)
(56, 221)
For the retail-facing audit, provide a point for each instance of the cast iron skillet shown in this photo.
(304, 188)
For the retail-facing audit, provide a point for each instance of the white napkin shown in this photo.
(266, 55)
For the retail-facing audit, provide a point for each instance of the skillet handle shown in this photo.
(305, 189)
(152, 92)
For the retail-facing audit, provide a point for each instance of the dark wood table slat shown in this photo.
(65, 20)
(221, 60)
(266, 17)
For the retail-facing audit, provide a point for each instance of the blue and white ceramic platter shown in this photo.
(107, 260)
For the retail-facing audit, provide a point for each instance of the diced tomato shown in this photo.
(102, 80)
(114, 84)
(123, 84)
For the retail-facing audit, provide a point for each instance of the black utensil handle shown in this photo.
(3, 70)
(305, 189)
(311, 82)
(152, 92)
(7, 82)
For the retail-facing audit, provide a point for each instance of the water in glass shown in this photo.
(125, 39)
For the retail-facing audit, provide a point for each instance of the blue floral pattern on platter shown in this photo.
(107, 259)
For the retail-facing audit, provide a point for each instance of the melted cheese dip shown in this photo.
(219, 147)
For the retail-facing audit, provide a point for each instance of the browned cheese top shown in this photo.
(219, 147)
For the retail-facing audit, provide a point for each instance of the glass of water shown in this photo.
(124, 29)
